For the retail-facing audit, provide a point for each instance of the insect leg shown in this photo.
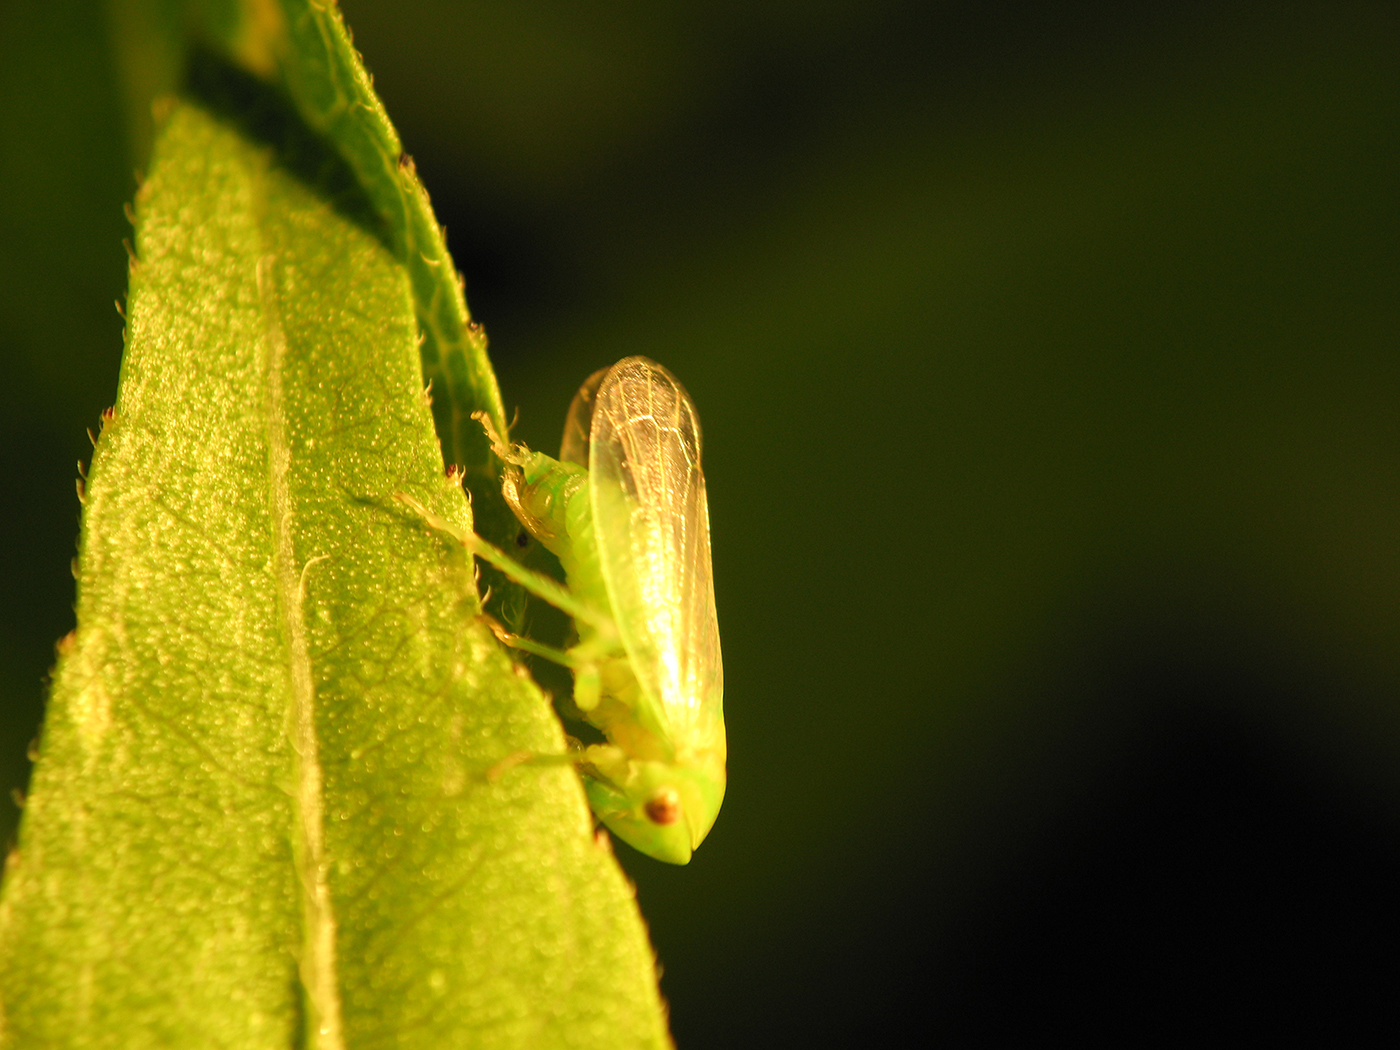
(603, 761)
(432, 520)
(588, 679)
(540, 585)
(529, 758)
(588, 687)
(536, 583)
(563, 657)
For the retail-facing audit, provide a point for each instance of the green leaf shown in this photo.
(303, 47)
(261, 815)
(334, 95)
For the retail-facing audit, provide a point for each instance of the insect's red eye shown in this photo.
(664, 807)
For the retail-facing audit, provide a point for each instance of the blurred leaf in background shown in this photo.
(1047, 364)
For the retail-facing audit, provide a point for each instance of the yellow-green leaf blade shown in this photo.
(334, 94)
(304, 47)
(260, 817)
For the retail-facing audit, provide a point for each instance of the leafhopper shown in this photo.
(624, 510)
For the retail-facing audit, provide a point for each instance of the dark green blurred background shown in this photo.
(1048, 362)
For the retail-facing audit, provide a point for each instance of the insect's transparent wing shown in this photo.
(574, 447)
(652, 526)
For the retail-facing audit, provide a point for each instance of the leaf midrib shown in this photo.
(318, 965)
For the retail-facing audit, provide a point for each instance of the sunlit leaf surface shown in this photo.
(261, 815)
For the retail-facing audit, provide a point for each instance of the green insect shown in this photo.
(624, 510)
